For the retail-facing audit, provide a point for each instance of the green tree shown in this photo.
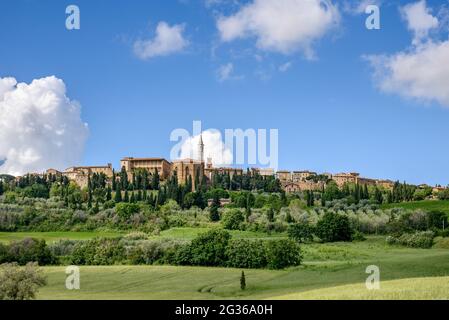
(242, 281)
(209, 248)
(270, 214)
(213, 210)
(18, 283)
(232, 219)
(124, 179)
(109, 194)
(334, 227)
(300, 232)
(155, 181)
(118, 194)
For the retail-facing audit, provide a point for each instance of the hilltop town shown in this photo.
(290, 181)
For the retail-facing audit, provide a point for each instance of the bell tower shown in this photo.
(201, 149)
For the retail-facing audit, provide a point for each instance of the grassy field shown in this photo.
(49, 237)
(174, 233)
(404, 289)
(327, 270)
(190, 233)
(427, 205)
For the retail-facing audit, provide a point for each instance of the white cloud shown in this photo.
(284, 26)
(422, 71)
(168, 40)
(226, 72)
(284, 67)
(40, 127)
(359, 6)
(214, 148)
(419, 20)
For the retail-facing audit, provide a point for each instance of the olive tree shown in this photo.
(20, 283)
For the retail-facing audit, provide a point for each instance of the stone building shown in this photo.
(342, 178)
(264, 172)
(80, 175)
(163, 167)
(385, 184)
(284, 176)
(53, 172)
(187, 167)
(298, 176)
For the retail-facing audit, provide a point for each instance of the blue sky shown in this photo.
(331, 114)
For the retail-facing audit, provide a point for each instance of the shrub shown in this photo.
(300, 232)
(437, 220)
(334, 227)
(358, 236)
(136, 235)
(418, 239)
(282, 253)
(62, 247)
(232, 219)
(126, 210)
(442, 243)
(154, 251)
(29, 250)
(18, 283)
(208, 249)
(423, 239)
(247, 254)
(100, 251)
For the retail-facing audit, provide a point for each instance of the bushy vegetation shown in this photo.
(423, 239)
(334, 227)
(20, 283)
(212, 248)
(146, 206)
(25, 251)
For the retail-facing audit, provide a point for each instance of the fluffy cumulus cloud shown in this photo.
(40, 127)
(421, 72)
(214, 148)
(284, 26)
(167, 40)
(419, 19)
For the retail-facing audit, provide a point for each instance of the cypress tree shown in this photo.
(126, 198)
(155, 181)
(114, 182)
(133, 198)
(118, 194)
(109, 194)
(270, 215)
(365, 192)
(243, 281)
(139, 196)
(213, 211)
(124, 179)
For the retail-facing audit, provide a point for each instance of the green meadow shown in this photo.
(50, 237)
(329, 271)
(426, 205)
